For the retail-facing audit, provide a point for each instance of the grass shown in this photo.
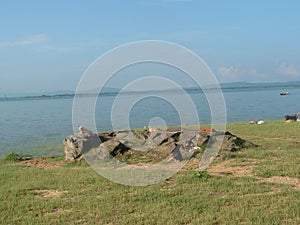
(75, 194)
(14, 157)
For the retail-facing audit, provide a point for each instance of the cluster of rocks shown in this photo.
(292, 117)
(149, 145)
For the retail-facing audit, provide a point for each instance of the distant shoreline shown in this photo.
(250, 87)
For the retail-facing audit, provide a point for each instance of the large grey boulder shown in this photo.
(76, 145)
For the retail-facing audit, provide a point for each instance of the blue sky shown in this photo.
(47, 45)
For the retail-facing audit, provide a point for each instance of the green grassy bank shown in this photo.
(252, 186)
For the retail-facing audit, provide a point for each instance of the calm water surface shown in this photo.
(38, 126)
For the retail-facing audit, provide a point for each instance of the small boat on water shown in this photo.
(284, 93)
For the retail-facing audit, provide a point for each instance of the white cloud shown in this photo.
(33, 39)
(230, 73)
(235, 73)
(289, 70)
(281, 72)
(37, 38)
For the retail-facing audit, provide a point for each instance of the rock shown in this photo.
(260, 122)
(156, 145)
(114, 147)
(231, 142)
(76, 145)
(207, 129)
(71, 148)
(162, 151)
(252, 122)
(176, 153)
(203, 138)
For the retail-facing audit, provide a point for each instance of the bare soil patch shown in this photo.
(192, 164)
(272, 192)
(295, 182)
(42, 163)
(48, 193)
(225, 168)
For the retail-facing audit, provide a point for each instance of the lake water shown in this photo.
(38, 125)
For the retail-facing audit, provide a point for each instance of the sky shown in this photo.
(47, 45)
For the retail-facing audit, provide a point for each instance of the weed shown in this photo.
(203, 175)
(15, 157)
